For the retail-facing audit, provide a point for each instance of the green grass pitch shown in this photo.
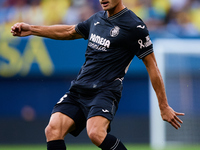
(92, 147)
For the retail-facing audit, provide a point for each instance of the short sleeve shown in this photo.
(144, 44)
(83, 28)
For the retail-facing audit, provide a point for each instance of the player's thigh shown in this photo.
(59, 125)
(97, 124)
(97, 129)
(72, 118)
(60, 120)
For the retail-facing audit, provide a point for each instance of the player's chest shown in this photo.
(107, 35)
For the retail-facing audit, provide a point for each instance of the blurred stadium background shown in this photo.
(36, 72)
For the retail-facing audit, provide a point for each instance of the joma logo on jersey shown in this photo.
(99, 40)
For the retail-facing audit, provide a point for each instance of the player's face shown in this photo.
(109, 4)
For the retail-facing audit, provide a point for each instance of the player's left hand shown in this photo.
(169, 115)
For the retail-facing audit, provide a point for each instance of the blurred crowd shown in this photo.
(167, 18)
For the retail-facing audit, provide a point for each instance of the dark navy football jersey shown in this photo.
(112, 44)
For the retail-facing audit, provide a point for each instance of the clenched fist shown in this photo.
(21, 29)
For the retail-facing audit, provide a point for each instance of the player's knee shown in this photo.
(52, 133)
(48, 130)
(96, 136)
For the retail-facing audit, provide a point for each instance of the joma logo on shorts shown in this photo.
(105, 110)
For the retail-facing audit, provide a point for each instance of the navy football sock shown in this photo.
(56, 145)
(112, 143)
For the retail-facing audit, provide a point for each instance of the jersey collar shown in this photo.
(117, 14)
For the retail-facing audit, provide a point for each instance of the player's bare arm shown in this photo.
(167, 113)
(58, 32)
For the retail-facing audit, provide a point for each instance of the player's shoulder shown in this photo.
(134, 20)
(136, 25)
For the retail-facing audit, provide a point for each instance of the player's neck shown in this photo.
(115, 10)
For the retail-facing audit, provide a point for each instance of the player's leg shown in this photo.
(102, 111)
(59, 125)
(67, 117)
(97, 131)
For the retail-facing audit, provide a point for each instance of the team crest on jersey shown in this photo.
(114, 31)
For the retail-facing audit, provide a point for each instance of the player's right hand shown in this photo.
(169, 115)
(21, 29)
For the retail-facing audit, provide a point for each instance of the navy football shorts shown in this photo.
(81, 107)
